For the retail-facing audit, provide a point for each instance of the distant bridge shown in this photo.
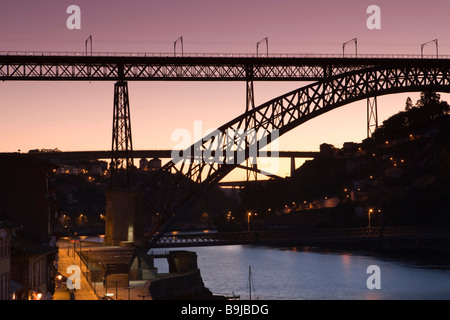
(161, 154)
(291, 237)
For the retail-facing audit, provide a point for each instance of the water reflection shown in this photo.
(304, 273)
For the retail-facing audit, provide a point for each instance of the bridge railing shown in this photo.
(274, 236)
(317, 234)
(353, 233)
(218, 55)
(209, 238)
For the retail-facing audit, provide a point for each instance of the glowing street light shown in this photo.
(370, 213)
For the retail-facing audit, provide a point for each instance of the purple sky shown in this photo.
(78, 116)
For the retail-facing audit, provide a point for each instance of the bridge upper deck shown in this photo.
(71, 66)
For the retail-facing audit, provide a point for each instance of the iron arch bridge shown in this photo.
(182, 181)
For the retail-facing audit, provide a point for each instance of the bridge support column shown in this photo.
(372, 116)
(124, 217)
(124, 205)
(122, 146)
(250, 105)
(292, 165)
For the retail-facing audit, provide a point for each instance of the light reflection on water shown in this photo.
(302, 273)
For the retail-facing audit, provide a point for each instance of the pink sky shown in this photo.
(78, 116)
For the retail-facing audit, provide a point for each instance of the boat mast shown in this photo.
(250, 282)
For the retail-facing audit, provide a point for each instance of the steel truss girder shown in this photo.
(71, 68)
(372, 116)
(156, 72)
(196, 169)
(251, 122)
(122, 145)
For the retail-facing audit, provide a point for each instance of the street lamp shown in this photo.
(180, 39)
(370, 213)
(129, 288)
(116, 282)
(424, 44)
(248, 221)
(74, 242)
(79, 254)
(105, 284)
(355, 40)
(266, 39)
(89, 39)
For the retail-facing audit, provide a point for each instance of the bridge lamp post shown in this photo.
(370, 214)
(180, 39)
(248, 221)
(432, 41)
(266, 40)
(89, 39)
(355, 40)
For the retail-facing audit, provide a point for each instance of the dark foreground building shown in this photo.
(25, 201)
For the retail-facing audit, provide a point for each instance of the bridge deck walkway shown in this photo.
(303, 236)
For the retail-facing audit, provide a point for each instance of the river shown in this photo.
(309, 274)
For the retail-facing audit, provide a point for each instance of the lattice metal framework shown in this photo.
(184, 69)
(372, 115)
(250, 123)
(122, 145)
(340, 81)
(209, 160)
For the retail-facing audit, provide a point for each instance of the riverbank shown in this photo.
(426, 252)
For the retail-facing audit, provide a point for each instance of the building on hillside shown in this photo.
(152, 165)
(327, 150)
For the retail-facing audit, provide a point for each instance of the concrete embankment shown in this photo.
(188, 285)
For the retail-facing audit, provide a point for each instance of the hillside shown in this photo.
(401, 174)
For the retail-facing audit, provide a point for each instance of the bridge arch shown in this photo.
(209, 160)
